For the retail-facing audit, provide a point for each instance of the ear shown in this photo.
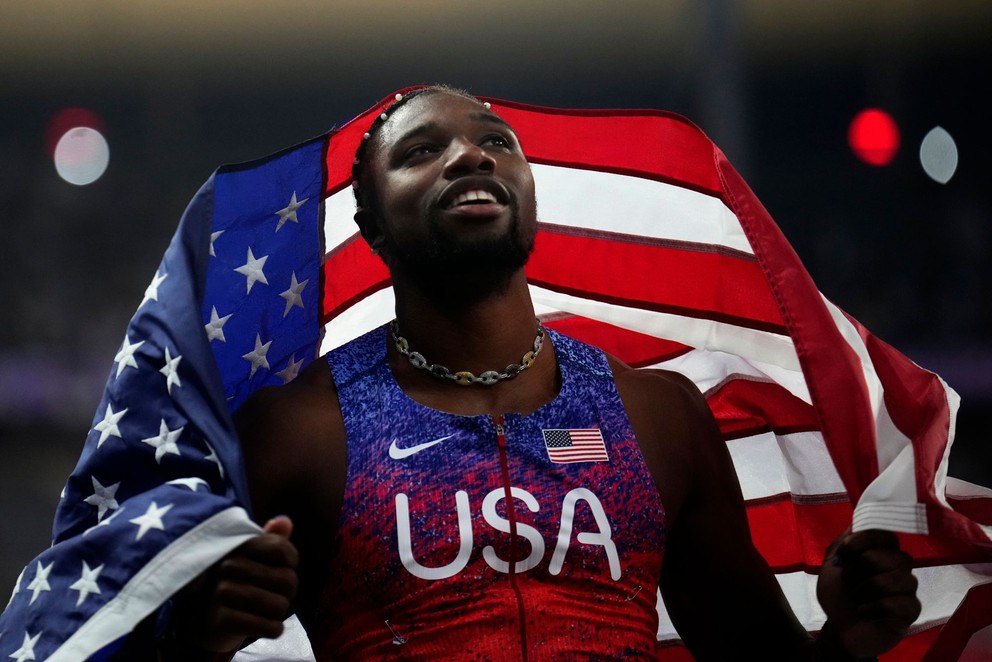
(368, 225)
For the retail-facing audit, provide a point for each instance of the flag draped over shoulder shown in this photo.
(650, 246)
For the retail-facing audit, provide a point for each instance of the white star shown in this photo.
(192, 483)
(165, 442)
(103, 498)
(292, 295)
(213, 238)
(171, 371)
(86, 583)
(151, 292)
(108, 426)
(105, 522)
(213, 458)
(252, 270)
(257, 356)
(40, 581)
(125, 357)
(26, 651)
(289, 212)
(215, 329)
(292, 369)
(152, 519)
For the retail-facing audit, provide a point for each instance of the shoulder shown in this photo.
(674, 428)
(288, 433)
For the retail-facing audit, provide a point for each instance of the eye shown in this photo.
(419, 150)
(497, 140)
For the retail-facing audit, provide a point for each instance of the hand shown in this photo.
(868, 592)
(246, 595)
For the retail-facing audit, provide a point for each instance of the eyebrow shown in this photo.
(479, 116)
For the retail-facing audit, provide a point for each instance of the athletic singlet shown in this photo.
(518, 537)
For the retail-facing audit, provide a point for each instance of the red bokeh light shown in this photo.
(69, 118)
(874, 137)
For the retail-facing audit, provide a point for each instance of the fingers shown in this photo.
(280, 526)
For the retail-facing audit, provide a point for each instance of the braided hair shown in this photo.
(363, 187)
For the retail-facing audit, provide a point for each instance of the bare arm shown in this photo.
(293, 466)
(720, 593)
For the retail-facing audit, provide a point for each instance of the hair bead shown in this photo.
(486, 105)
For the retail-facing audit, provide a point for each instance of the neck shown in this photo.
(478, 334)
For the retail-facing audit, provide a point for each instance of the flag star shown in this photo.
(171, 371)
(257, 356)
(292, 369)
(86, 583)
(288, 213)
(26, 651)
(192, 482)
(213, 458)
(165, 442)
(40, 581)
(151, 292)
(125, 356)
(108, 426)
(292, 295)
(152, 519)
(215, 328)
(252, 270)
(213, 238)
(103, 498)
(105, 522)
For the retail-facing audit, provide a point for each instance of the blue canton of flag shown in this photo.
(566, 446)
(159, 492)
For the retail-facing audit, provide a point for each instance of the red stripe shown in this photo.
(744, 407)
(832, 370)
(693, 283)
(633, 348)
(910, 649)
(349, 274)
(974, 614)
(640, 142)
(794, 536)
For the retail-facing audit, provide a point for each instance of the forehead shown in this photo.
(437, 111)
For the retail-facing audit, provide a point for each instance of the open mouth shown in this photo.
(473, 197)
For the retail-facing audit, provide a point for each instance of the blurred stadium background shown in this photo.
(177, 87)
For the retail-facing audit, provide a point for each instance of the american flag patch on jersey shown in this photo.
(575, 445)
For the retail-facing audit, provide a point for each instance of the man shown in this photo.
(527, 513)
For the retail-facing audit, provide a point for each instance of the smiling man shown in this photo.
(465, 484)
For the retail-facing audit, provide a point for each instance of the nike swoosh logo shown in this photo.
(398, 453)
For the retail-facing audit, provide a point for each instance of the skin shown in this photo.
(294, 439)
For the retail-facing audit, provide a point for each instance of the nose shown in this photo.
(466, 158)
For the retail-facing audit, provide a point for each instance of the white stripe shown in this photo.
(339, 219)
(941, 589)
(708, 369)
(632, 205)
(595, 200)
(370, 313)
(175, 566)
(752, 344)
(768, 464)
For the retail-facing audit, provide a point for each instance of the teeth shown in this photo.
(473, 196)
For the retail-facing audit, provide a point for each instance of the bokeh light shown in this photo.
(81, 155)
(874, 137)
(939, 155)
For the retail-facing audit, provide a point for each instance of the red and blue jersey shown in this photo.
(534, 536)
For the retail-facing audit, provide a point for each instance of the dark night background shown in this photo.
(182, 87)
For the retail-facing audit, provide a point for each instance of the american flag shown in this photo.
(650, 246)
(566, 446)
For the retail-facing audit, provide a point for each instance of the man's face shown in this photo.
(456, 196)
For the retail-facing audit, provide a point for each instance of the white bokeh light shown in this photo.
(939, 155)
(81, 155)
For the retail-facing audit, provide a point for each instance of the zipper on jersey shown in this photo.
(511, 516)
